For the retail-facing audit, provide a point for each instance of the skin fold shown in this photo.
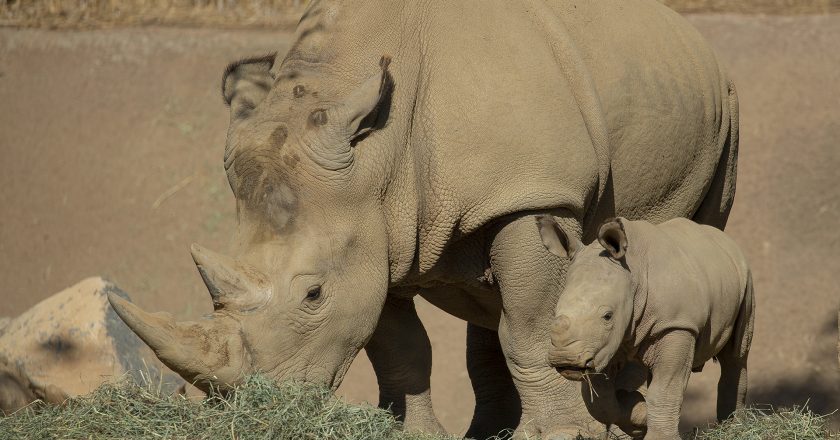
(404, 148)
(668, 297)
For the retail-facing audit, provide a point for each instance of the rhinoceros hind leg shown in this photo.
(497, 405)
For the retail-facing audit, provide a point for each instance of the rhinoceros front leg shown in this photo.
(401, 355)
(530, 280)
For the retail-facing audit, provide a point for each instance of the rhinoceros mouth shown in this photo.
(573, 372)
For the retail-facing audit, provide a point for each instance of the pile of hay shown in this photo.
(798, 423)
(258, 409)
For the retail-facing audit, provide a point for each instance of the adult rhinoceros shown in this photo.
(361, 182)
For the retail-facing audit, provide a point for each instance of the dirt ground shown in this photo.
(111, 145)
(282, 14)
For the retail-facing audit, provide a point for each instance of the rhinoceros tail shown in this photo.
(719, 198)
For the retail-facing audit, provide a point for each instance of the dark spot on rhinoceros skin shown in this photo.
(299, 91)
(291, 160)
(278, 137)
(247, 346)
(224, 355)
(318, 118)
(260, 178)
(215, 354)
(287, 76)
(279, 205)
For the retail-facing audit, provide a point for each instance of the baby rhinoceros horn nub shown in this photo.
(559, 329)
(204, 353)
(559, 337)
(231, 285)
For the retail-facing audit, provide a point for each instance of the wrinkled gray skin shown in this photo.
(669, 297)
(360, 183)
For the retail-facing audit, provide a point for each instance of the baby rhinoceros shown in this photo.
(669, 297)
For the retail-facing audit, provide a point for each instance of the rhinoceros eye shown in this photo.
(608, 316)
(313, 293)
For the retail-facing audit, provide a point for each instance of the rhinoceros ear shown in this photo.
(612, 237)
(366, 108)
(245, 84)
(555, 239)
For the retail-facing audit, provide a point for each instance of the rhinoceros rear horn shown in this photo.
(203, 353)
(232, 285)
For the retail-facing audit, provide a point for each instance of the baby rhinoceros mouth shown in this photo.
(574, 372)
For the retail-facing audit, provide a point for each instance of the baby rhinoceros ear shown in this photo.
(555, 239)
(612, 237)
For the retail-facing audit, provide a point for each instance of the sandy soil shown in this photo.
(111, 145)
(282, 14)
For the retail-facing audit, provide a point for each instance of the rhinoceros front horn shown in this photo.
(206, 352)
(232, 285)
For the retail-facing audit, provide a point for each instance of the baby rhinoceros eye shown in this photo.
(608, 316)
(313, 293)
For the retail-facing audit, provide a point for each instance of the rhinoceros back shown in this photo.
(532, 106)
(666, 101)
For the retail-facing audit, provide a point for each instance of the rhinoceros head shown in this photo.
(596, 307)
(304, 291)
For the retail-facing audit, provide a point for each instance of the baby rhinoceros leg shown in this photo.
(670, 359)
(622, 408)
(633, 420)
(732, 387)
(629, 381)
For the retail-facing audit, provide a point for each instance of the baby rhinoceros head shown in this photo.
(596, 307)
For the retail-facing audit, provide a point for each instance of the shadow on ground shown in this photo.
(812, 386)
